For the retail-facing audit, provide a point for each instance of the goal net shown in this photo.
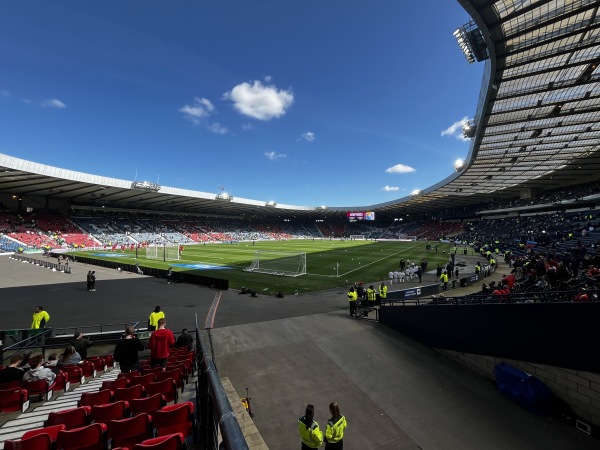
(162, 252)
(358, 237)
(289, 264)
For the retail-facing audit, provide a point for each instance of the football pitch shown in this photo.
(329, 264)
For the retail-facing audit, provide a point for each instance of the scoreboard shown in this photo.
(354, 216)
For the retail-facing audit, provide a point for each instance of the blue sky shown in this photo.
(337, 103)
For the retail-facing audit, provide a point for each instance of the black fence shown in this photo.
(214, 410)
(43, 263)
(179, 277)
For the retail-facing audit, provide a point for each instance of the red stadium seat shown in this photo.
(144, 380)
(178, 418)
(96, 398)
(15, 399)
(40, 388)
(130, 393)
(73, 373)
(166, 387)
(115, 384)
(52, 431)
(11, 385)
(87, 369)
(98, 362)
(38, 442)
(175, 375)
(91, 437)
(127, 432)
(70, 418)
(111, 411)
(154, 370)
(173, 441)
(147, 405)
(61, 383)
(128, 375)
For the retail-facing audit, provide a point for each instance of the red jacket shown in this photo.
(160, 342)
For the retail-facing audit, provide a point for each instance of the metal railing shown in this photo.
(214, 410)
(40, 262)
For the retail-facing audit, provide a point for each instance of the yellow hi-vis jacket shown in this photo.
(37, 319)
(371, 294)
(335, 429)
(154, 318)
(311, 436)
(352, 296)
(383, 291)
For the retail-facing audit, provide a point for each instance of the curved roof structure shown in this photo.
(537, 125)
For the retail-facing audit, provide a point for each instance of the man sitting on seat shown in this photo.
(12, 372)
(38, 371)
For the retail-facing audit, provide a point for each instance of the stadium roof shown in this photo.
(537, 126)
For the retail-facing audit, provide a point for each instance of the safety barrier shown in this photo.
(64, 268)
(214, 410)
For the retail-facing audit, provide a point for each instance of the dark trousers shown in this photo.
(352, 308)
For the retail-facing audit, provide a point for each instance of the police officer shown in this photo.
(382, 293)
(40, 317)
(352, 297)
(334, 432)
(311, 435)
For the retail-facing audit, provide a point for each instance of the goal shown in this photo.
(288, 264)
(358, 237)
(162, 252)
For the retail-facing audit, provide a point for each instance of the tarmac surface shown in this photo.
(395, 393)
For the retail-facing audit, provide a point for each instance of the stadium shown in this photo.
(264, 284)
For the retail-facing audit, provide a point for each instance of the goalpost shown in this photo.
(288, 264)
(162, 252)
(358, 237)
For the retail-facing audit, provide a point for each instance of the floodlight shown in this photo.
(415, 192)
(459, 165)
(471, 42)
(469, 129)
(271, 204)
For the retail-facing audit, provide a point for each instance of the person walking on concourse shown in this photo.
(40, 318)
(311, 435)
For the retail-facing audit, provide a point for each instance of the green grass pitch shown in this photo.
(330, 264)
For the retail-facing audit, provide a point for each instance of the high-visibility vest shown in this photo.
(352, 296)
(311, 436)
(383, 291)
(335, 429)
(371, 295)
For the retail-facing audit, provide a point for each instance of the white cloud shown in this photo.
(247, 126)
(4, 93)
(390, 188)
(400, 168)
(268, 78)
(217, 128)
(258, 101)
(53, 103)
(308, 136)
(272, 156)
(199, 109)
(26, 100)
(456, 129)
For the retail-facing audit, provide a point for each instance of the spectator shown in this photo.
(12, 372)
(81, 344)
(69, 356)
(52, 363)
(38, 371)
(160, 344)
(185, 340)
(126, 351)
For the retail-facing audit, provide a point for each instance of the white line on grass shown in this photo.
(366, 265)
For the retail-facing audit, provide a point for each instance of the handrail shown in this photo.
(34, 341)
(213, 405)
